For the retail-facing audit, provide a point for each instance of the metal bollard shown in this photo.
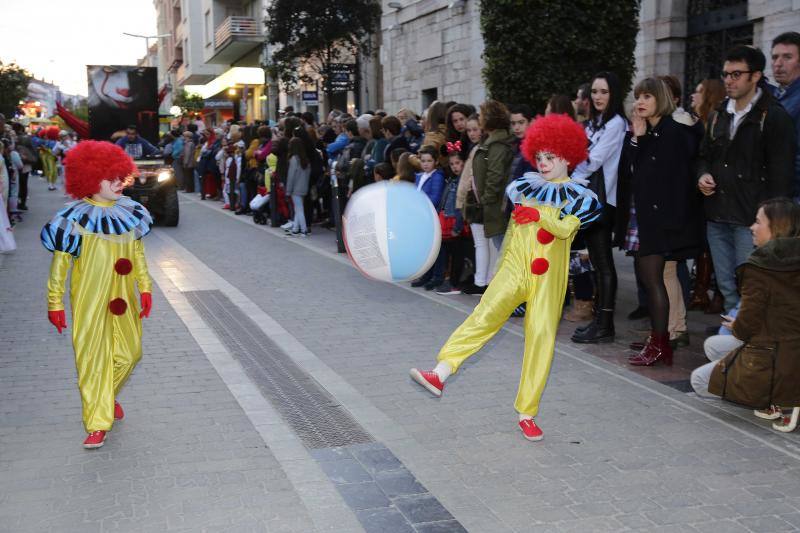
(337, 214)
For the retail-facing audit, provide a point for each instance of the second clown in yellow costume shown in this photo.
(99, 237)
(549, 210)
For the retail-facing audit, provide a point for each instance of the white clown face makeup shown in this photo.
(551, 167)
(111, 190)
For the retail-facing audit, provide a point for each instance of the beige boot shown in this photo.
(581, 311)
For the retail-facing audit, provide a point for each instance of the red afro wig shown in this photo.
(52, 133)
(90, 162)
(559, 135)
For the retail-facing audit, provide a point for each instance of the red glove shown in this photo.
(58, 319)
(147, 304)
(525, 215)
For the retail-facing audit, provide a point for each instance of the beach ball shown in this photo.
(391, 231)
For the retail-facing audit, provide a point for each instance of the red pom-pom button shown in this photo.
(544, 236)
(118, 306)
(123, 266)
(539, 266)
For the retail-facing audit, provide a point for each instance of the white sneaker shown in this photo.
(772, 413)
(787, 424)
(288, 225)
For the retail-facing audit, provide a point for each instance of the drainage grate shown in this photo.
(317, 418)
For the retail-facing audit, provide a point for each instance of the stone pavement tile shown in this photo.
(421, 508)
(384, 520)
(361, 496)
(765, 524)
(721, 526)
(345, 471)
(446, 526)
(398, 483)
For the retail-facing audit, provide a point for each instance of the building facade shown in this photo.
(688, 38)
(431, 49)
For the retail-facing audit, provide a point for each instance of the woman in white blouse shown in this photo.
(606, 130)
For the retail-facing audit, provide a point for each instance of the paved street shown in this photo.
(273, 395)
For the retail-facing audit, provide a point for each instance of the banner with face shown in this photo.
(120, 96)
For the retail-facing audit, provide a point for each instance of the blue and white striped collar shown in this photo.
(532, 186)
(120, 218)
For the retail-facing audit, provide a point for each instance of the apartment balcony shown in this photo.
(235, 38)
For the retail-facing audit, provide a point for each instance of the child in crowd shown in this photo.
(233, 172)
(456, 239)
(431, 179)
(407, 167)
(383, 172)
(297, 182)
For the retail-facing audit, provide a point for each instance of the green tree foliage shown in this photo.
(13, 87)
(316, 34)
(537, 48)
(80, 110)
(188, 102)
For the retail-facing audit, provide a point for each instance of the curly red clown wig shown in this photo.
(52, 133)
(559, 135)
(91, 162)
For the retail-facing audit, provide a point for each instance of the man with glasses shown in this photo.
(747, 156)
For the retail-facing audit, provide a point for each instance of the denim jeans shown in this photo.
(730, 246)
(299, 221)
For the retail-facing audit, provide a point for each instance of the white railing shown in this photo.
(236, 27)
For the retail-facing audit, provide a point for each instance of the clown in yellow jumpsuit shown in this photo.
(101, 242)
(534, 266)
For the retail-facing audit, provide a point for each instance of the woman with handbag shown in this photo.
(763, 371)
(606, 130)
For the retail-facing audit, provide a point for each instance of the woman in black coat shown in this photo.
(667, 215)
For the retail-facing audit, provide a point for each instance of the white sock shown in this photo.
(525, 417)
(443, 370)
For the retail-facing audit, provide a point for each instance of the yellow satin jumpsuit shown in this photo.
(534, 269)
(49, 164)
(107, 330)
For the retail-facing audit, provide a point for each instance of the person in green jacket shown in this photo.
(484, 206)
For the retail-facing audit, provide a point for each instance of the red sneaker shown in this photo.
(428, 379)
(119, 414)
(226, 206)
(530, 430)
(96, 439)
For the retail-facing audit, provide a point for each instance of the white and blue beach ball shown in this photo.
(391, 231)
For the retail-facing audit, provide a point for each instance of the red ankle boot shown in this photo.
(656, 349)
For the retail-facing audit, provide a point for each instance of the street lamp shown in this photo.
(147, 39)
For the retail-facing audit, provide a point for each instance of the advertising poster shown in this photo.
(120, 96)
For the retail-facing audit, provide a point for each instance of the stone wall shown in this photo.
(431, 44)
(660, 44)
